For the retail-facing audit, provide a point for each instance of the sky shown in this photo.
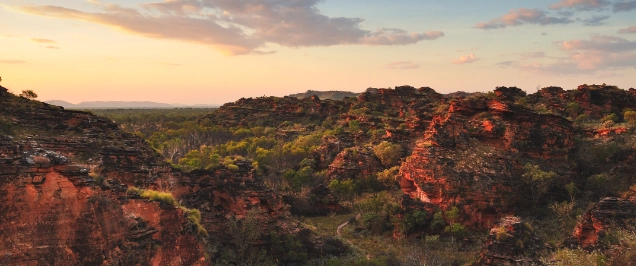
(217, 51)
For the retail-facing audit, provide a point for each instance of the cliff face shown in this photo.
(447, 168)
(54, 212)
(593, 225)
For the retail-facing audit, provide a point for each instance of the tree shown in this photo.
(573, 109)
(538, 180)
(572, 190)
(344, 189)
(245, 233)
(388, 177)
(630, 117)
(29, 94)
(388, 153)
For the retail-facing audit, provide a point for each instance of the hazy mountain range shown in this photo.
(124, 104)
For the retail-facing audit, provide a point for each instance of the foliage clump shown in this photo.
(388, 153)
(193, 215)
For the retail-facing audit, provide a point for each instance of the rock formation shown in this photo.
(65, 182)
(593, 225)
(512, 242)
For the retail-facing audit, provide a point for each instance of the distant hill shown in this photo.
(120, 104)
(333, 95)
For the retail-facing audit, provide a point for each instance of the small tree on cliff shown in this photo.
(29, 94)
(538, 180)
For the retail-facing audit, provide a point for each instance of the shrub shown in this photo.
(388, 153)
(608, 124)
(456, 230)
(438, 221)
(502, 235)
(194, 216)
(611, 117)
(572, 109)
(580, 119)
(630, 117)
(232, 167)
(154, 195)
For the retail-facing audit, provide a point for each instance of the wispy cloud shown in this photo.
(237, 27)
(258, 52)
(531, 55)
(600, 43)
(40, 40)
(595, 21)
(508, 63)
(52, 47)
(624, 6)
(522, 16)
(599, 54)
(398, 37)
(465, 59)
(12, 61)
(628, 30)
(581, 4)
(403, 65)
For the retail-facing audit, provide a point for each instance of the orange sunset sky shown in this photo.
(216, 51)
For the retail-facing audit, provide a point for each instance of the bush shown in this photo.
(573, 109)
(608, 124)
(193, 215)
(580, 119)
(29, 94)
(630, 117)
(502, 235)
(153, 195)
(611, 117)
(388, 153)
(232, 167)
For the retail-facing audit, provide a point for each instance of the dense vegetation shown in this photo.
(296, 156)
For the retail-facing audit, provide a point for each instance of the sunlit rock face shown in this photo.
(468, 157)
(593, 225)
(53, 212)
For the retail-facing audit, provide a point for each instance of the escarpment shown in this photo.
(78, 190)
(467, 157)
(68, 194)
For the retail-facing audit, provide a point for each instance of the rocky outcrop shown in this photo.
(271, 111)
(354, 163)
(593, 225)
(467, 157)
(512, 242)
(52, 213)
(64, 181)
(595, 101)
